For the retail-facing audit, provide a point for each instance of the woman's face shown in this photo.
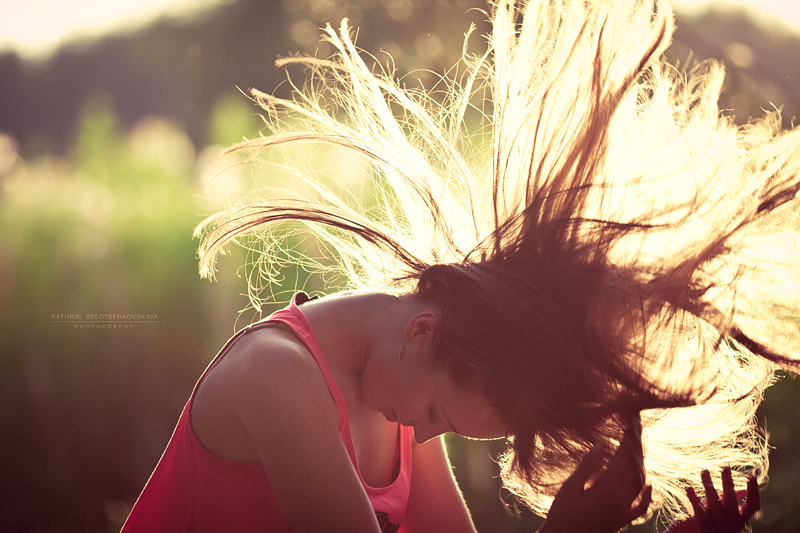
(415, 392)
(428, 400)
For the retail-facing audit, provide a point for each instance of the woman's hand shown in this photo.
(714, 516)
(610, 504)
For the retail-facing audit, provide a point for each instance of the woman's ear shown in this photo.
(421, 324)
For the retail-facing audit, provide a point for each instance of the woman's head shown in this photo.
(525, 341)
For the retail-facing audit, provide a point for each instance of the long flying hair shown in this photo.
(584, 215)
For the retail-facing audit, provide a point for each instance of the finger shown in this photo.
(699, 510)
(625, 473)
(753, 500)
(713, 504)
(633, 438)
(643, 505)
(623, 479)
(730, 502)
(634, 431)
(589, 465)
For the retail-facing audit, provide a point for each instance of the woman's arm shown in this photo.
(435, 503)
(276, 390)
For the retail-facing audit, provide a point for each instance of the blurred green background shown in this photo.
(109, 152)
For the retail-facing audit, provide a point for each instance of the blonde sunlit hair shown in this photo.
(616, 235)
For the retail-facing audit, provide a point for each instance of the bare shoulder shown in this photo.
(266, 355)
(267, 379)
(271, 370)
(269, 364)
(270, 387)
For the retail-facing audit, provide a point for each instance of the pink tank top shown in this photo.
(194, 490)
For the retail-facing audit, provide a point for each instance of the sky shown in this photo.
(35, 28)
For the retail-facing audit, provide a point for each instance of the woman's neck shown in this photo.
(355, 326)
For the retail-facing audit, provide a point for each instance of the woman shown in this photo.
(324, 429)
(616, 255)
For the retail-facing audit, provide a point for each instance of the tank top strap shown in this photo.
(294, 319)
